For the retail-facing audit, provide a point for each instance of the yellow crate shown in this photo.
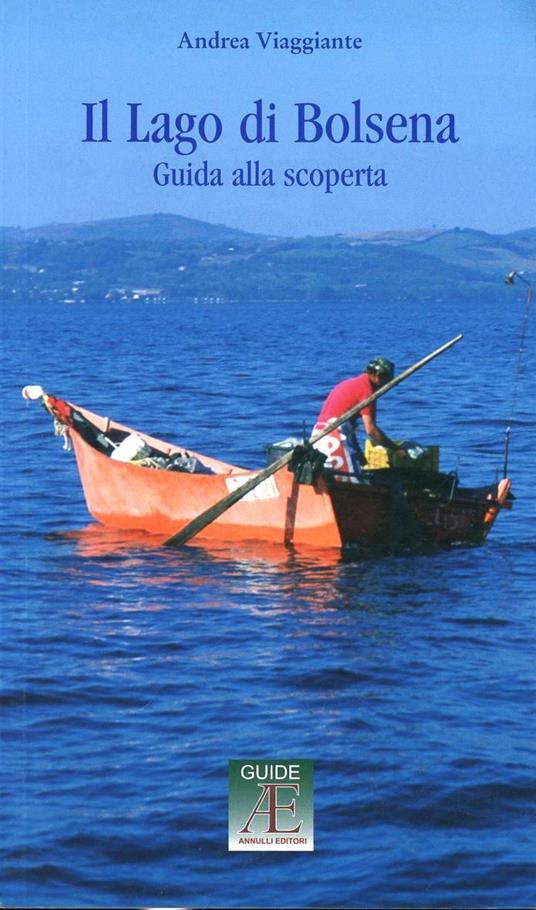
(376, 456)
(379, 457)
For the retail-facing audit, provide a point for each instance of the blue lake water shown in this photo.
(132, 674)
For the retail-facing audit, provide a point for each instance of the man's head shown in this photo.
(380, 370)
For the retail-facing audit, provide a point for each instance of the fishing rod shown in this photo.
(510, 279)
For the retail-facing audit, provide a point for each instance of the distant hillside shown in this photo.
(152, 228)
(477, 249)
(11, 234)
(393, 238)
(168, 257)
(464, 247)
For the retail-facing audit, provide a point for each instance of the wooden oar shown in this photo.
(205, 518)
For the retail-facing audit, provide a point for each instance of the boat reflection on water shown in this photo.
(96, 540)
(131, 571)
(258, 575)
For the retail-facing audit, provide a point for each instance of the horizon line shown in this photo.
(433, 228)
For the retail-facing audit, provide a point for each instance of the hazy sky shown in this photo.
(476, 60)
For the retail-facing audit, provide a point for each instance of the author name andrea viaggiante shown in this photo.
(270, 41)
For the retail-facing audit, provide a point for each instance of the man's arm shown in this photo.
(372, 430)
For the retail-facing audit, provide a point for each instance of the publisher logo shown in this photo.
(271, 804)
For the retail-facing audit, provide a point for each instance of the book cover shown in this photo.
(212, 214)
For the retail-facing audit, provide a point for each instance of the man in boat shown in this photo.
(341, 446)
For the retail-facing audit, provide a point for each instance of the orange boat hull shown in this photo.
(162, 502)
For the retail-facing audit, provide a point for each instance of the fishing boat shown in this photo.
(134, 481)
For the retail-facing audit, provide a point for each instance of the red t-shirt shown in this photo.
(345, 395)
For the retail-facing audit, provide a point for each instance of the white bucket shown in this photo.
(131, 447)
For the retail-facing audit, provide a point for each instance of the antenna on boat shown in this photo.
(510, 279)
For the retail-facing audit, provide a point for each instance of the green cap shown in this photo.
(381, 365)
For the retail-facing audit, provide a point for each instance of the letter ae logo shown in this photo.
(271, 804)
